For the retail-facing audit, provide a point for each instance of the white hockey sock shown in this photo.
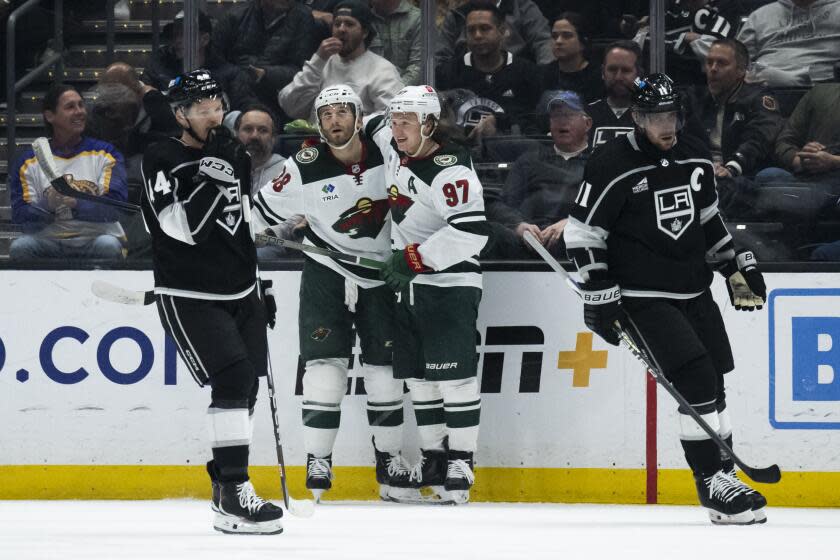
(462, 411)
(324, 385)
(428, 409)
(384, 407)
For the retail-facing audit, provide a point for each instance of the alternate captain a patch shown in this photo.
(674, 210)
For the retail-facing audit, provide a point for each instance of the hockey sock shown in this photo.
(384, 407)
(725, 432)
(462, 411)
(229, 437)
(700, 451)
(428, 410)
(324, 385)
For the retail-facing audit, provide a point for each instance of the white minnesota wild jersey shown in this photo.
(346, 206)
(437, 202)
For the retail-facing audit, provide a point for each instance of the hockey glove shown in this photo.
(267, 289)
(601, 309)
(744, 281)
(401, 268)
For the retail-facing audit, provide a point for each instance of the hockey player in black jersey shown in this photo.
(208, 294)
(644, 224)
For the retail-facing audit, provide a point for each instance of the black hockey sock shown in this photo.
(231, 463)
(726, 462)
(703, 456)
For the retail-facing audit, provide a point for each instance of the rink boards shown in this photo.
(94, 403)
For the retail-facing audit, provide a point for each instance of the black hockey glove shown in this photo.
(744, 281)
(222, 144)
(401, 268)
(601, 309)
(267, 289)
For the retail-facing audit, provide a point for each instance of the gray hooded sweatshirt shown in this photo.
(791, 45)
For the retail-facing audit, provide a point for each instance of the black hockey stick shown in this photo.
(298, 508)
(43, 153)
(767, 475)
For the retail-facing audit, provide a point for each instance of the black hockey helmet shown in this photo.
(192, 87)
(656, 94)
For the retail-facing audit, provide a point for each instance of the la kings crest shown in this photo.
(232, 213)
(674, 210)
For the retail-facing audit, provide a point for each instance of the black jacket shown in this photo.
(751, 122)
(241, 37)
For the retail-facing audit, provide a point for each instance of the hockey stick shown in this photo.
(767, 475)
(263, 239)
(298, 508)
(117, 294)
(43, 153)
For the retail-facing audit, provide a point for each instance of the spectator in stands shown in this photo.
(793, 42)
(344, 58)
(808, 147)
(527, 34)
(168, 61)
(541, 187)
(570, 69)
(322, 11)
(59, 226)
(611, 115)
(690, 28)
(507, 80)
(742, 119)
(270, 40)
(398, 39)
(155, 119)
(255, 128)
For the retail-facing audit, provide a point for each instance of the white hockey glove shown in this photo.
(747, 290)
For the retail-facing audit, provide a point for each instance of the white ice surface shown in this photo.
(181, 529)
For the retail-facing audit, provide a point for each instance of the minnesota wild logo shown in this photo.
(399, 203)
(364, 219)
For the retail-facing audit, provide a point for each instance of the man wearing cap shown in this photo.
(540, 190)
(344, 58)
(270, 40)
(168, 61)
(492, 72)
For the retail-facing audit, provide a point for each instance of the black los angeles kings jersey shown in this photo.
(202, 245)
(647, 220)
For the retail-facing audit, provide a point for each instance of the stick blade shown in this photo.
(767, 475)
(43, 153)
(301, 508)
(115, 294)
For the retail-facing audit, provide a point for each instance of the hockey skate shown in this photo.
(318, 475)
(242, 511)
(459, 475)
(430, 474)
(394, 477)
(759, 502)
(725, 499)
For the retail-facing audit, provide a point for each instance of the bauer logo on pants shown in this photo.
(674, 210)
(804, 358)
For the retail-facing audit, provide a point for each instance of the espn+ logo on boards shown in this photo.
(804, 358)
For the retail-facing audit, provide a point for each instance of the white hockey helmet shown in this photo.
(339, 93)
(421, 100)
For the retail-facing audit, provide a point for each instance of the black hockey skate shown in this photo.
(725, 499)
(394, 477)
(318, 474)
(430, 475)
(214, 481)
(759, 502)
(459, 475)
(242, 511)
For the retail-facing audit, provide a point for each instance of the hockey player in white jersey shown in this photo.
(339, 186)
(438, 230)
